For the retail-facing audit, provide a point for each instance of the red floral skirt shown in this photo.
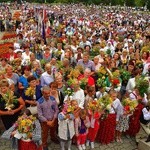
(23, 145)
(134, 123)
(106, 133)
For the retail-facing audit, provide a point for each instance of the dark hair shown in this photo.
(87, 46)
(80, 49)
(54, 84)
(5, 59)
(27, 112)
(27, 68)
(131, 62)
(31, 78)
(26, 46)
(90, 89)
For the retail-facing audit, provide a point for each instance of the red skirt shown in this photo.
(106, 133)
(23, 145)
(134, 123)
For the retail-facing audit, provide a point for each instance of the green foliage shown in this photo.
(138, 3)
(125, 75)
(142, 85)
(130, 2)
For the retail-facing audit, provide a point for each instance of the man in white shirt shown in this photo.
(46, 77)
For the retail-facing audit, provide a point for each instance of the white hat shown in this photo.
(130, 40)
(18, 50)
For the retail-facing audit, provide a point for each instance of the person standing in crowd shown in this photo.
(82, 124)
(31, 94)
(78, 94)
(56, 94)
(9, 113)
(13, 76)
(87, 76)
(66, 128)
(118, 36)
(108, 125)
(47, 114)
(46, 77)
(86, 63)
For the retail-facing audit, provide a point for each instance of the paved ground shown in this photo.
(128, 144)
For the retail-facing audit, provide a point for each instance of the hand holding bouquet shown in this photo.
(129, 105)
(9, 99)
(25, 126)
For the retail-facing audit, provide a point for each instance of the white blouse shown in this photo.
(117, 108)
(131, 85)
(146, 114)
(79, 97)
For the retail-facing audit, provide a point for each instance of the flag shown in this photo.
(43, 22)
(43, 32)
(44, 14)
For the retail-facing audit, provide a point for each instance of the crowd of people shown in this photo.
(68, 59)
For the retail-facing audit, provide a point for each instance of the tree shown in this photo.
(130, 2)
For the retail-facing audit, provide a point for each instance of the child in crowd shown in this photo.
(101, 92)
(122, 124)
(90, 95)
(94, 126)
(82, 124)
(66, 129)
(19, 142)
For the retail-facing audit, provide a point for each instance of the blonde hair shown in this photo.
(58, 75)
(7, 67)
(47, 65)
(2, 72)
(4, 82)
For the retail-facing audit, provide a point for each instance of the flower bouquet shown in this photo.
(139, 65)
(102, 72)
(105, 103)
(101, 82)
(108, 52)
(80, 68)
(16, 15)
(125, 75)
(67, 109)
(43, 62)
(94, 107)
(10, 100)
(129, 105)
(58, 54)
(25, 127)
(68, 91)
(71, 84)
(83, 82)
(74, 73)
(30, 92)
(95, 51)
(142, 85)
(115, 81)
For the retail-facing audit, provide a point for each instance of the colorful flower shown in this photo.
(25, 126)
(10, 100)
(30, 92)
(129, 105)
